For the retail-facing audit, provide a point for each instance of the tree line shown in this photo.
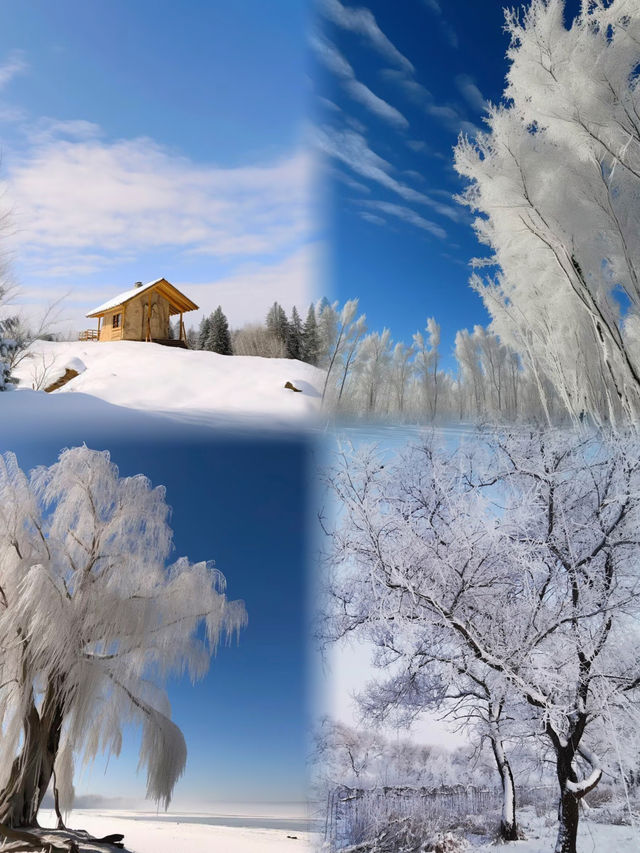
(279, 337)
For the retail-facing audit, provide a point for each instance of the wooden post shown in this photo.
(148, 337)
(99, 319)
(183, 337)
(124, 308)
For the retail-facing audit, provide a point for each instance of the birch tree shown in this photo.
(555, 182)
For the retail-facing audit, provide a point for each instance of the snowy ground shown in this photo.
(592, 837)
(540, 837)
(201, 387)
(148, 834)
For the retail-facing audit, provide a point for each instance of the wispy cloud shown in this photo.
(77, 198)
(407, 215)
(352, 149)
(338, 65)
(448, 115)
(13, 65)
(449, 33)
(371, 217)
(358, 186)
(414, 90)
(362, 21)
(470, 92)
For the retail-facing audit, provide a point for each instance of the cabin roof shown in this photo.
(178, 302)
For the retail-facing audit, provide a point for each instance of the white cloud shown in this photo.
(407, 215)
(416, 91)
(374, 104)
(450, 34)
(450, 116)
(470, 92)
(49, 130)
(339, 66)
(363, 22)
(76, 198)
(329, 105)
(12, 66)
(247, 294)
(331, 57)
(372, 218)
(353, 150)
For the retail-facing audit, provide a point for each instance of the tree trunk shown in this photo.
(568, 816)
(32, 769)
(508, 825)
(56, 803)
(571, 790)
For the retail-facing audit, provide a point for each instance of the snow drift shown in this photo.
(190, 384)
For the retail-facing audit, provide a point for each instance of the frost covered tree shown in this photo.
(372, 369)
(336, 330)
(513, 561)
(400, 373)
(555, 181)
(427, 358)
(219, 337)
(92, 622)
(352, 351)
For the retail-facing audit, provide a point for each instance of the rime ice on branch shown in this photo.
(499, 576)
(92, 621)
(555, 181)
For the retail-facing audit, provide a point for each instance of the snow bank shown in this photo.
(194, 385)
(155, 836)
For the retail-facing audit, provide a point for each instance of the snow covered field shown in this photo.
(197, 386)
(150, 833)
(592, 837)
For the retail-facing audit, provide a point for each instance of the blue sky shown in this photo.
(153, 138)
(242, 501)
(395, 83)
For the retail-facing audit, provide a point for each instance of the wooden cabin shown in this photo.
(143, 313)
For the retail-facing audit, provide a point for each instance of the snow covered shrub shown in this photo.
(258, 341)
(400, 835)
(92, 622)
(450, 843)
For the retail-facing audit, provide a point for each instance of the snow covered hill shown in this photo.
(192, 385)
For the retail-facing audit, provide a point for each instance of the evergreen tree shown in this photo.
(7, 348)
(192, 338)
(294, 335)
(309, 347)
(277, 322)
(219, 337)
(203, 333)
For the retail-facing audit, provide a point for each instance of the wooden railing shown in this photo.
(88, 335)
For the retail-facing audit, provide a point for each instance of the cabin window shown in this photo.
(117, 319)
